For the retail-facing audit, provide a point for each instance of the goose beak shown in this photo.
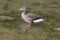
(20, 9)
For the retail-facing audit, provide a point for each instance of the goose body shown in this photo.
(27, 18)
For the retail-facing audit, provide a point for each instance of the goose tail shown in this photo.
(39, 20)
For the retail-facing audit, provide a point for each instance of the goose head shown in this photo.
(23, 9)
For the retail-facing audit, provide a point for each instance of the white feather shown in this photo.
(39, 20)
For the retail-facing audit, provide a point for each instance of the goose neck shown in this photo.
(24, 11)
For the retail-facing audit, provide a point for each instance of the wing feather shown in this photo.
(32, 15)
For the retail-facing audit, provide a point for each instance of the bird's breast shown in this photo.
(25, 18)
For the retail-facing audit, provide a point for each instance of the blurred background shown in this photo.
(12, 25)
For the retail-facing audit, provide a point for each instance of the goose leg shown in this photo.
(30, 25)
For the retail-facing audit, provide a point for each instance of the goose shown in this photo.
(30, 18)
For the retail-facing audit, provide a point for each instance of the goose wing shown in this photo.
(32, 15)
